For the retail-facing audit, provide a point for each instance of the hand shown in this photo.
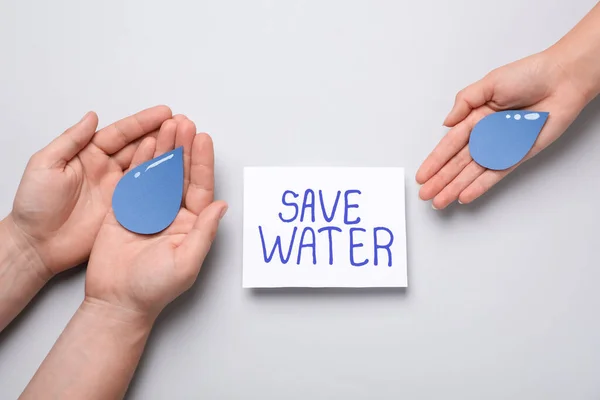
(67, 187)
(144, 273)
(537, 83)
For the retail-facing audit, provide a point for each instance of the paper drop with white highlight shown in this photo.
(148, 197)
(501, 140)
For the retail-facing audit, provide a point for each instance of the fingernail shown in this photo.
(460, 202)
(432, 206)
(223, 212)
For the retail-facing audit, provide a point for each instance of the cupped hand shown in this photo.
(66, 189)
(144, 273)
(536, 83)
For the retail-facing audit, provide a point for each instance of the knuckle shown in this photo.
(462, 159)
(485, 186)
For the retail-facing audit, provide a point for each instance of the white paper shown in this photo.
(373, 195)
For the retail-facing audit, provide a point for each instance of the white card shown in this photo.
(324, 227)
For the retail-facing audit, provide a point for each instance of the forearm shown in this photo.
(20, 275)
(95, 357)
(578, 52)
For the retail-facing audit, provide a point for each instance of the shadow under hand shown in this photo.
(573, 137)
(55, 284)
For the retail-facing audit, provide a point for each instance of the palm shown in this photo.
(61, 203)
(147, 272)
(73, 200)
(151, 262)
(535, 83)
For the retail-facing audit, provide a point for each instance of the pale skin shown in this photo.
(62, 213)
(130, 279)
(561, 80)
(62, 200)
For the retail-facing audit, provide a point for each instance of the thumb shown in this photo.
(198, 241)
(62, 149)
(469, 98)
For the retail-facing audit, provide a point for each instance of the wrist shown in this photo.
(114, 315)
(580, 66)
(19, 252)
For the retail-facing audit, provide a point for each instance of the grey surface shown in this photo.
(503, 295)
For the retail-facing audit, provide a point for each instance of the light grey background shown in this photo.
(503, 295)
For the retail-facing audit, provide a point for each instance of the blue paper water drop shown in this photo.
(500, 140)
(148, 198)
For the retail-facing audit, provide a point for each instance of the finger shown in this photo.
(482, 184)
(447, 148)
(451, 144)
(62, 149)
(445, 175)
(470, 98)
(202, 174)
(194, 248)
(118, 135)
(124, 156)
(186, 132)
(179, 117)
(451, 192)
(165, 141)
(145, 152)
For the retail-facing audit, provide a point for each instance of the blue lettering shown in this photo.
(311, 245)
(310, 205)
(337, 198)
(386, 247)
(329, 229)
(348, 206)
(285, 203)
(278, 246)
(352, 246)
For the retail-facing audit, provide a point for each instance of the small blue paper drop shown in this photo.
(500, 140)
(147, 199)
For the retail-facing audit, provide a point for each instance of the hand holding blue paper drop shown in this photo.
(500, 140)
(487, 140)
(129, 266)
